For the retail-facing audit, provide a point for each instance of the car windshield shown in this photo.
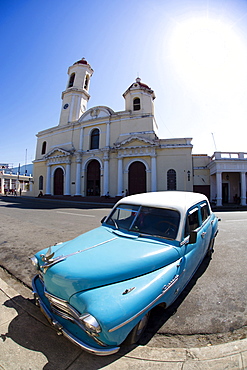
(145, 220)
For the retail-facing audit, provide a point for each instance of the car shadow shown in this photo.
(30, 330)
(160, 315)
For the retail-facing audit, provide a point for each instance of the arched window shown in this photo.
(171, 180)
(136, 104)
(71, 80)
(94, 144)
(43, 148)
(41, 183)
(86, 82)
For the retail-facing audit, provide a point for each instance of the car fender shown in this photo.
(119, 307)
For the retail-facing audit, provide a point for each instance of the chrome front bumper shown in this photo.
(61, 330)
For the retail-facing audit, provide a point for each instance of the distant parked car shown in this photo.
(98, 289)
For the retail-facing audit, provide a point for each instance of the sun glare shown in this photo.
(207, 52)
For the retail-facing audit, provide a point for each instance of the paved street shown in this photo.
(212, 308)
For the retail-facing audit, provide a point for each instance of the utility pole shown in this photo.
(214, 142)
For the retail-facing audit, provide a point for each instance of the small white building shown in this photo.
(13, 182)
(228, 178)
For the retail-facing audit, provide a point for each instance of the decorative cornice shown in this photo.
(171, 146)
(63, 158)
(136, 152)
(57, 149)
(75, 90)
(58, 160)
(133, 138)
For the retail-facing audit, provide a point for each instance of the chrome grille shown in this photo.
(62, 308)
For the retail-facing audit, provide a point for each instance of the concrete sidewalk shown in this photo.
(28, 342)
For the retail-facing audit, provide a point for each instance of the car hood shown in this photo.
(101, 257)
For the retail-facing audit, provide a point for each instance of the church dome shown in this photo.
(138, 85)
(81, 61)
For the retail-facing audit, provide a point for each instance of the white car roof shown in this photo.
(177, 200)
(180, 200)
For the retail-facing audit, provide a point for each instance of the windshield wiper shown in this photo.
(155, 236)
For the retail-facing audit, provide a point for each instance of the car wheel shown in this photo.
(210, 248)
(136, 333)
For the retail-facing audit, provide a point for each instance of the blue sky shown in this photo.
(193, 54)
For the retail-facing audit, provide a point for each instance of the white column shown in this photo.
(106, 177)
(120, 177)
(81, 139)
(243, 188)
(219, 188)
(67, 179)
(153, 173)
(107, 134)
(48, 180)
(83, 185)
(212, 188)
(78, 178)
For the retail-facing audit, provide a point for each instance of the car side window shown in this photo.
(192, 221)
(205, 212)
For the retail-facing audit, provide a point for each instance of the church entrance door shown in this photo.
(137, 178)
(58, 182)
(93, 178)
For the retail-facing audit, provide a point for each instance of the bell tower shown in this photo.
(139, 100)
(76, 96)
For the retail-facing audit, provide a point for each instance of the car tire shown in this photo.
(137, 332)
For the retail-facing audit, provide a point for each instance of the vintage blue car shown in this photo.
(98, 289)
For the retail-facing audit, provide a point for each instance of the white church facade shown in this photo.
(99, 152)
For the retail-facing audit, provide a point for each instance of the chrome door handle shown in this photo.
(203, 234)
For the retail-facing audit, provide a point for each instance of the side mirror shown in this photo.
(103, 219)
(193, 237)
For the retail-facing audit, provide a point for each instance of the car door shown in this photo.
(206, 226)
(192, 250)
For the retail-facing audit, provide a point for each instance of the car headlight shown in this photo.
(90, 323)
(35, 262)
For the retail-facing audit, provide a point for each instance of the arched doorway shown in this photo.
(93, 178)
(137, 178)
(58, 181)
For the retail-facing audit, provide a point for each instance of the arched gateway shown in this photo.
(137, 178)
(93, 178)
(58, 181)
